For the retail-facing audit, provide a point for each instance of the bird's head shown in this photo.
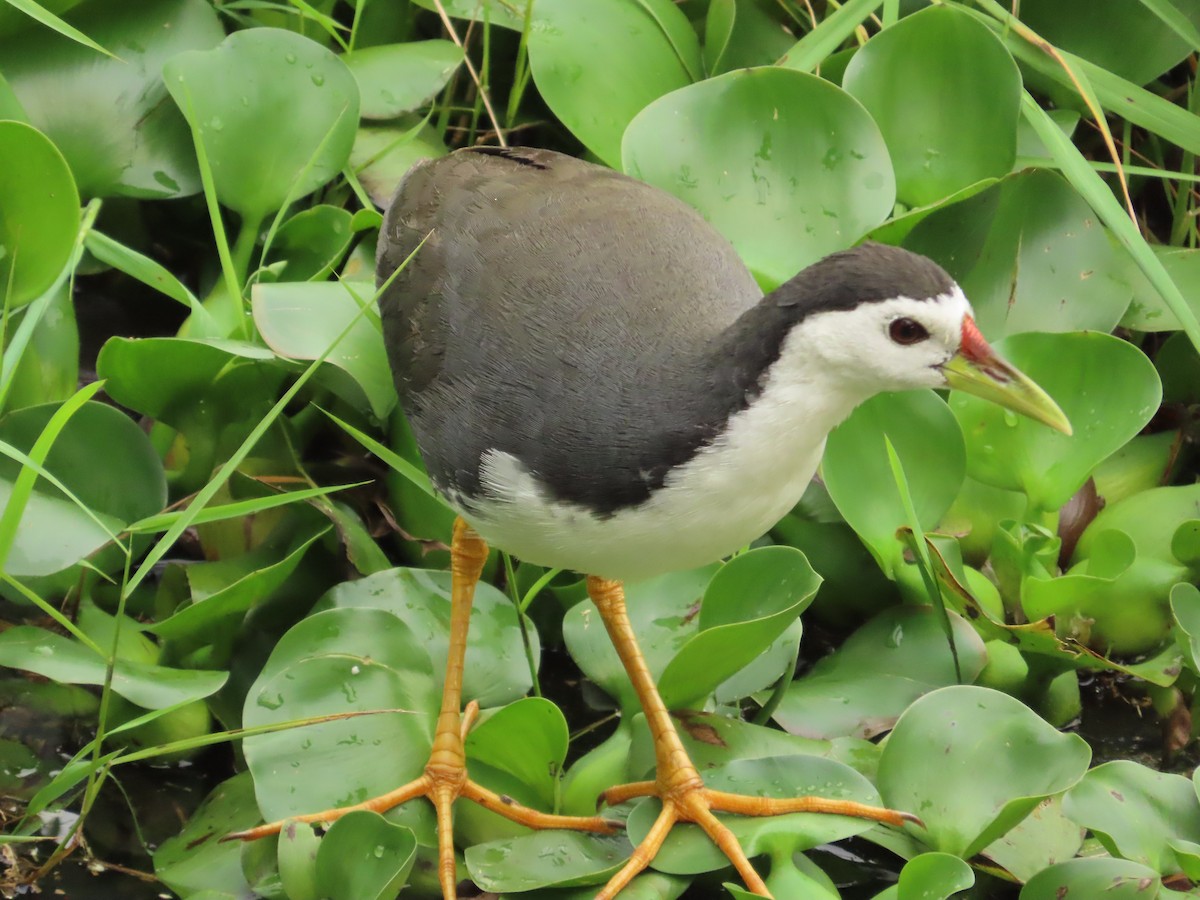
(886, 319)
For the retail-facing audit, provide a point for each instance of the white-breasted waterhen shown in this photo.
(597, 383)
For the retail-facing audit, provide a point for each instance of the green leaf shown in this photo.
(144, 269)
(505, 13)
(365, 857)
(337, 662)
(311, 243)
(996, 760)
(48, 369)
(194, 861)
(1112, 879)
(296, 320)
(536, 759)
(119, 486)
(39, 213)
(908, 75)
(1106, 387)
(297, 860)
(496, 669)
(933, 876)
(398, 78)
(597, 65)
(1185, 607)
(383, 154)
(787, 166)
(70, 662)
(746, 607)
(740, 34)
(1137, 813)
(276, 113)
(860, 480)
(1030, 255)
(546, 859)
(1043, 838)
(1148, 311)
(1127, 39)
(863, 686)
(110, 117)
(44, 16)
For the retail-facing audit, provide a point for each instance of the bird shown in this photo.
(596, 382)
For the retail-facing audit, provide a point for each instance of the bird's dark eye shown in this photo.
(907, 331)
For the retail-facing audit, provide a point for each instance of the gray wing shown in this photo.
(558, 311)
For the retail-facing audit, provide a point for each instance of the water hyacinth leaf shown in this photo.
(908, 75)
(1185, 607)
(750, 601)
(1045, 837)
(162, 377)
(596, 66)
(896, 229)
(296, 321)
(546, 859)
(297, 861)
(536, 758)
(194, 860)
(688, 851)
(1137, 813)
(933, 876)
(254, 577)
(119, 486)
(1030, 255)
(1148, 311)
(663, 612)
(109, 116)
(974, 794)
(70, 662)
(862, 687)
(382, 154)
(39, 213)
(742, 33)
(497, 671)
(276, 113)
(1112, 879)
(787, 166)
(398, 78)
(363, 856)
(311, 243)
(333, 663)
(1124, 38)
(1106, 387)
(505, 13)
(860, 479)
(48, 371)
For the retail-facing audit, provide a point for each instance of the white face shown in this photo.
(891, 345)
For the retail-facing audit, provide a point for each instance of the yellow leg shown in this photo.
(445, 777)
(677, 783)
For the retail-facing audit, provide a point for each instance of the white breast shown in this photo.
(727, 495)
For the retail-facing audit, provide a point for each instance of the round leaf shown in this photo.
(1137, 813)
(1031, 256)
(121, 485)
(545, 859)
(497, 671)
(933, 876)
(363, 856)
(598, 64)
(996, 760)
(110, 116)
(39, 213)
(859, 476)
(1112, 879)
(787, 166)
(537, 758)
(909, 75)
(862, 687)
(1106, 387)
(340, 661)
(276, 113)
(1123, 38)
(398, 78)
(299, 320)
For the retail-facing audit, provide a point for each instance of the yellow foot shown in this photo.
(443, 782)
(690, 803)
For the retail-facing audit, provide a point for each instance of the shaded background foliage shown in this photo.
(215, 526)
